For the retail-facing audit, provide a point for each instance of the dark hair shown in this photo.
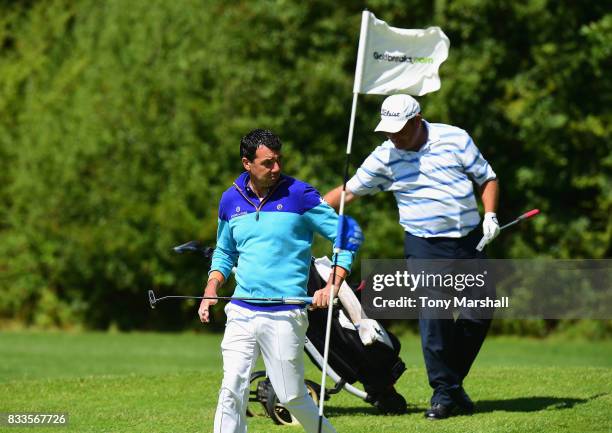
(258, 137)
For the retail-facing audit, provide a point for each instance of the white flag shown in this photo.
(393, 60)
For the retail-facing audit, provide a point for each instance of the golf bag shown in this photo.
(377, 366)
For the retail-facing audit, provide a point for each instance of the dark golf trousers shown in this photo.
(449, 346)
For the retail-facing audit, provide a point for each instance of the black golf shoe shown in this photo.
(462, 405)
(463, 400)
(438, 411)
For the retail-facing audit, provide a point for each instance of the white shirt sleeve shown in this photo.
(373, 176)
(474, 164)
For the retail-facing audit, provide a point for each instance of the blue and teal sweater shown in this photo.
(269, 241)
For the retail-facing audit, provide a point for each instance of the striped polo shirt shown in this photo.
(432, 186)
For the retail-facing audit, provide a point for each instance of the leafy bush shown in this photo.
(119, 130)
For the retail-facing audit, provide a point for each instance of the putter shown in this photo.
(296, 300)
(207, 252)
(525, 216)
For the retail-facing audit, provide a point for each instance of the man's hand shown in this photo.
(214, 282)
(490, 226)
(203, 311)
(320, 299)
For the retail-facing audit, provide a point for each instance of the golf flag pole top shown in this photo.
(394, 60)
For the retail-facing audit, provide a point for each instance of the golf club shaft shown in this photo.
(293, 300)
(509, 224)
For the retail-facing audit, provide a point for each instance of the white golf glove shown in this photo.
(490, 226)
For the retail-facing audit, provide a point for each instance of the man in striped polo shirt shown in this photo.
(431, 169)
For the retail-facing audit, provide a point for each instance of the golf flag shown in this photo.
(350, 237)
(393, 60)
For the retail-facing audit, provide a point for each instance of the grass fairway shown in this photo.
(169, 383)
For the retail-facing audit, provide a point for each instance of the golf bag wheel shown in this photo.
(279, 413)
(257, 394)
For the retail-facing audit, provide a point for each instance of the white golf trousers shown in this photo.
(279, 337)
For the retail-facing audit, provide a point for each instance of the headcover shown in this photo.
(350, 237)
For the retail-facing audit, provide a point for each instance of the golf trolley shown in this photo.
(361, 350)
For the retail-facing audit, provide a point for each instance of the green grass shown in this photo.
(169, 383)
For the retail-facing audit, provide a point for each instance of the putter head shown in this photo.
(194, 247)
(152, 299)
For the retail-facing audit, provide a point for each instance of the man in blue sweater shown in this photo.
(266, 226)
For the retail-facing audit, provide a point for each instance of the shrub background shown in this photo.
(120, 123)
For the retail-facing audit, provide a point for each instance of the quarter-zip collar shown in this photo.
(241, 185)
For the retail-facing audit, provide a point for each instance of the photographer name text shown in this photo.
(427, 302)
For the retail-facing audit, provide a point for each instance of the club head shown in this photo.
(194, 247)
(152, 299)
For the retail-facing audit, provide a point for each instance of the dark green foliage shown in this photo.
(120, 123)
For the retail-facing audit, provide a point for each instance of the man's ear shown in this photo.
(246, 164)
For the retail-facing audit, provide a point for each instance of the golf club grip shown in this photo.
(298, 300)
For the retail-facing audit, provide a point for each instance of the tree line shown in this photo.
(120, 124)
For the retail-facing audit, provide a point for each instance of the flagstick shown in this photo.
(366, 17)
(330, 308)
